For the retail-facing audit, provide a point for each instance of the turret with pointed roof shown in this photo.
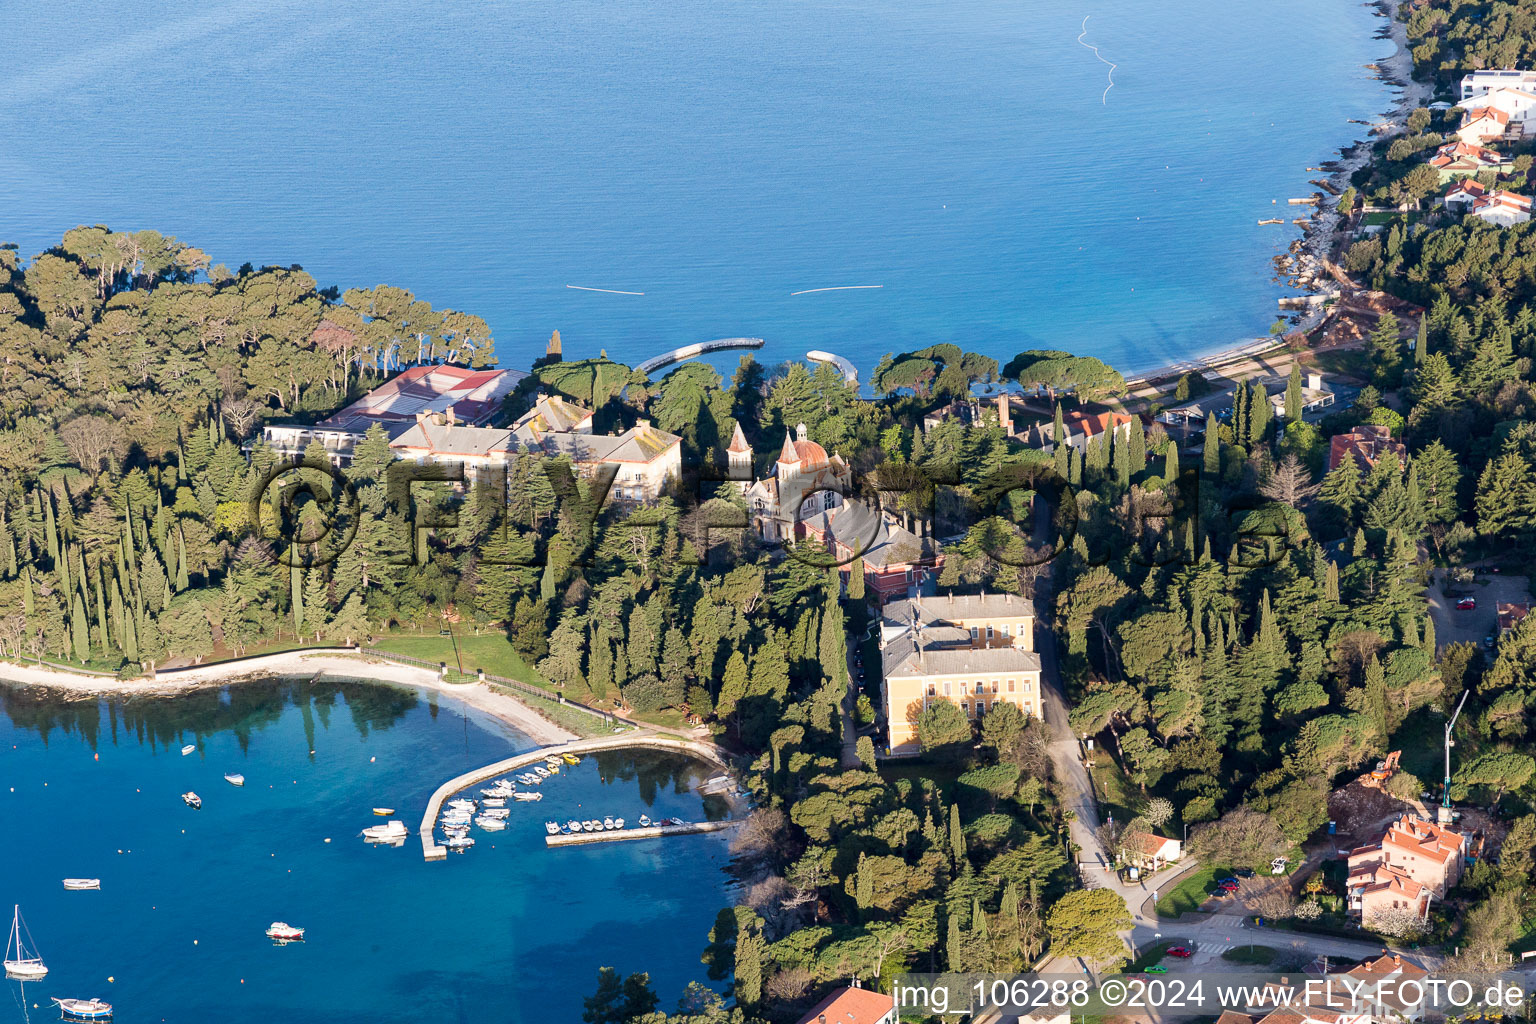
(738, 459)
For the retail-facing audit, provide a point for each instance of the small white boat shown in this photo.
(82, 883)
(618, 822)
(459, 843)
(552, 827)
(525, 797)
(541, 772)
(19, 964)
(461, 805)
(608, 822)
(493, 801)
(193, 800)
(645, 821)
(235, 779)
(281, 931)
(496, 812)
(491, 824)
(591, 826)
(388, 832)
(188, 749)
(84, 1009)
(573, 825)
(383, 812)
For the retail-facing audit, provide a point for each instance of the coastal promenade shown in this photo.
(431, 850)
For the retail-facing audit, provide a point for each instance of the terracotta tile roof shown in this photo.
(1511, 615)
(1502, 198)
(851, 1006)
(738, 441)
(1385, 965)
(1425, 838)
(1367, 443)
(1466, 186)
(1145, 843)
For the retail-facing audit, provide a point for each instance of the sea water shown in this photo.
(970, 158)
(510, 931)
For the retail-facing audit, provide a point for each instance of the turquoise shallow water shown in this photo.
(715, 156)
(510, 933)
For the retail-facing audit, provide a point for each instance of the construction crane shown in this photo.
(1446, 817)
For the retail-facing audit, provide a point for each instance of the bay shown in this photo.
(510, 931)
(966, 157)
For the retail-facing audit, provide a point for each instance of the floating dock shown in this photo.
(689, 351)
(845, 367)
(432, 850)
(648, 832)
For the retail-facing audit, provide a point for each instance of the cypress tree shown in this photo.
(749, 968)
(1331, 590)
(51, 526)
(856, 579)
(61, 565)
(1293, 401)
(28, 609)
(1061, 461)
(119, 630)
(1240, 412)
(954, 949)
(1122, 459)
(864, 884)
(1138, 446)
(1058, 428)
(1421, 346)
(957, 840)
(130, 543)
(1212, 445)
(102, 634)
(1075, 467)
(1171, 461)
(182, 582)
(1428, 642)
(131, 641)
(979, 921)
(296, 599)
(1259, 414)
(78, 631)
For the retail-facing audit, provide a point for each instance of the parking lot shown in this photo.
(1454, 626)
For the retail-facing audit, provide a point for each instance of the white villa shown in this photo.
(1505, 209)
(1499, 100)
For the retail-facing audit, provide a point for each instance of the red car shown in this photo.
(1229, 886)
(1467, 604)
(1180, 952)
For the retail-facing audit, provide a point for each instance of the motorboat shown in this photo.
(235, 779)
(525, 797)
(645, 821)
(281, 931)
(573, 825)
(491, 824)
(618, 822)
(462, 802)
(571, 759)
(496, 812)
(459, 842)
(383, 812)
(493, 801)
(84, 1009)
(18, 963)
(188, 749)
(386, 833)
(608, 823)
(591, 826)
(193, 800)
(82, 883)
(541, 771)
(552, 827)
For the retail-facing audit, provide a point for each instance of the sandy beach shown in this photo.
(505, 709)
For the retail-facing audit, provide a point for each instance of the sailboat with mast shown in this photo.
(22, 965)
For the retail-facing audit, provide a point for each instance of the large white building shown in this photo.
(1506, 209)
(1480, 83)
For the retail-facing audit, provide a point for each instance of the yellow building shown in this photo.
(975, 650)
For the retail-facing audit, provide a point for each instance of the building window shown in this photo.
(966, 708)
(974, 634)
(981, 708)
(946, 687)
(1010, 686)
(931, 691)
(994, 686)
(1005, 629)
(1029, 707)
(1022, 630)
(989, 631)
(964, 689)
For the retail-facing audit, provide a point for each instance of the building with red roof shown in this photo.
(1366, 444)
(1414, 862)
(853, 1006)
(806, 482)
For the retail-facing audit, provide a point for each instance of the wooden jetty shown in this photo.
(430, 848)
(614, 835)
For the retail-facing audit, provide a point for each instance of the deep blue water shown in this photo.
(509, 932)
(715, 156)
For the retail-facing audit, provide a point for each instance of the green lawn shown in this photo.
(1114, 790)
(1190, 892)
(490, 651)
(1250, 955)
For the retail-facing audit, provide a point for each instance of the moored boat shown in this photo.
(84, 1009)
(573, 825)
(82, 883)
(571, 759)
(552, 827)
(608, 822)
(386, 833)
(525, 797)
(383, 812)
(281, 931)
(541, 771)
(491, 824)
(192, 800)
(18, 964)
(235, 779)
(618, 822)
(189, 748)
(459, 843)
(645, 821)
(493, 801)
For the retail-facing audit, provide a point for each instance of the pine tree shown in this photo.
(1342, 488)
(1359, 549)
(749, 968)
(1293, 402)
(733, 685)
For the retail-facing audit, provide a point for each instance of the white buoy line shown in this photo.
(1112, 65)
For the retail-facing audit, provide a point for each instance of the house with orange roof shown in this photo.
(1511, 615)
(1149, 851)
(1506, 209)
(1081, 426)
(1482, 124)
(854, 1005)
(1367, 444)
(1460, 195)
(1516, 103)
(1460, 159)
(1413, 863)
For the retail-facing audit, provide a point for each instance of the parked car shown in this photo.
(1229, 886)
(1490, 641)
(1466, 604)
(1157, 969)
(1226, 881)
(1180, 952)
(1244, 872)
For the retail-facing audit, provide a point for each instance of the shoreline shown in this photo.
(504, 709)
(1305, 261)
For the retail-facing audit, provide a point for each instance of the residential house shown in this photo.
(1315, 394)
(1367, 443)
(1461, 195)
(1080, 426)
(1414, 862)
(1517, 104)
(975, 650)
(1511, 615)
(894, 558)
(1465, 159)
(1506, 209)
(972, 413)
(1480, 83)
(1149, 851)
(474, 396)
(645, 460)
(806, 481)
(853, 1005)
(1483, 124)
